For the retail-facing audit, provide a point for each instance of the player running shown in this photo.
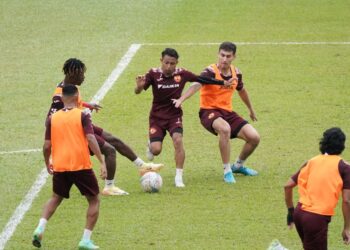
(74, 71)
(167, 83)
(68, 137)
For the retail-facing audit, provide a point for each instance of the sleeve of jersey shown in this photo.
(87, 124)
(295, 176)
(48, 129)
(56, 105)
(149, 80)
(203, 79)
(344, 170)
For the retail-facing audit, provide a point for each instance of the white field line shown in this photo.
(246, 43)
(40, 181)
(123, 63)
(21, 151)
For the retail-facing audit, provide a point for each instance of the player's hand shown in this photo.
(140, 81)
(177, 103)
(346, 237)
(103, 171)
(231, 81)
(290, 220)
(253, 115)
(95, 106)
(49, 169)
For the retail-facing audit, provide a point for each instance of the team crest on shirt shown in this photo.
(177, 78)
(152, 131)
(211, 115)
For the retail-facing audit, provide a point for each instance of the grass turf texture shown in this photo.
(297, 92)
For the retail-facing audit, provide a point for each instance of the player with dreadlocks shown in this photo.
(74, 71)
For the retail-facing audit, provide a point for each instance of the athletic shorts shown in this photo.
(98, 135)
(158, 127)
(208, 116)
(85, 180)
(312, 228)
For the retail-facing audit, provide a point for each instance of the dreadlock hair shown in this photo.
(73, 66)
(333, 141)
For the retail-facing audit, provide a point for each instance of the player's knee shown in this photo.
(155, 150)
(177, 142)
(255, 139)
(224, 131)
(108, 150)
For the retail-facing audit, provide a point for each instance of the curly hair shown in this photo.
(333, 141)
(73, 66)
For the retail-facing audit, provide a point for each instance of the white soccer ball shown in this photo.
(151, 182)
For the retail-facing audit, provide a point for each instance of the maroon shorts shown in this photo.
(158, 127)
(312, 228)
(98, 135)
(208, 116)
(85, 180)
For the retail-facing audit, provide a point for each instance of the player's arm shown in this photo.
(288, 196)
(190, 92)
(93, 145)
(243, 94)
(346, 215)
(140, 83)
(92, 106)
(47, 147)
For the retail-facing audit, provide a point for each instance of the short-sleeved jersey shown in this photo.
(69, 145)
(320, 182)
(166, 88)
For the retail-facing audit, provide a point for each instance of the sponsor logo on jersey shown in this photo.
(168, 86)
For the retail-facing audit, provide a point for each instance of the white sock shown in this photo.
(239, 163)
(179, 171)
(87, 234)
(109, 183)
(138, 162)
(42, 223)
(227, 168)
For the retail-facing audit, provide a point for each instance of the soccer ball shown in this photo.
(151, 182)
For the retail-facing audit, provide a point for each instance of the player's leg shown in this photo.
(252, 138)
(124, 150)
(91, 219)
(110, 155)
(179, 158)
(61, 187)
(120, 146)
(175, 128)
(86, 182)
(157, 132)
(223, 129)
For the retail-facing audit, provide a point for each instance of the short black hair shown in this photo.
(73, 66)
(333, 141)
(69, 90)
(228, 46)
(170, 52)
